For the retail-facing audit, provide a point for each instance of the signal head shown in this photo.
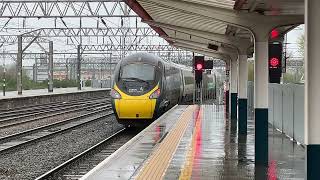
(274, 34)
(274, 62)
(199, 66)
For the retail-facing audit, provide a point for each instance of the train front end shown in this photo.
(136, 90)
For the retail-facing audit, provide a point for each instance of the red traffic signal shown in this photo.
(198, 62)
(199, 66)
(274, 34)
(274, 62)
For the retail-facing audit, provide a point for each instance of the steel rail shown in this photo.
(31, 135)
(53, 171)
(13, 122)
(35, 112)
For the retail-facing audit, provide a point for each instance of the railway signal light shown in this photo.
(198, 67)
(198, 62)
(274, 62)
(275, 65)
(274, 34)
(208, 64)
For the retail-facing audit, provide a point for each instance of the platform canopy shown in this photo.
(197, 24)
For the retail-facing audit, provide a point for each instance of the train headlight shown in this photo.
(114, 94)
(155, 94)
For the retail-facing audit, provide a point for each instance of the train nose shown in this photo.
(136, 108)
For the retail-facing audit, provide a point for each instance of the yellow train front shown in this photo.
(144, 87)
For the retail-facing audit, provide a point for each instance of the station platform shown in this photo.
(42, 96)
(44, 92)
(198, 142)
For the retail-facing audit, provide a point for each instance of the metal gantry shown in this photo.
(100, 34)
(64, 8)
(72, 36)
(13, 39)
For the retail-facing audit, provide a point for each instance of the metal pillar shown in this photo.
(19, 66)
(242, 92)
(110, 71)
(79, 67)
(227, 88)
(261, 78)
(50, 67)
(234, 93)
(312, 89)
(4, 81)
(35, 70)
(4, 75)
(33, 73)
(67, 68)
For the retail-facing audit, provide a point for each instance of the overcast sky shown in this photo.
(293, 36)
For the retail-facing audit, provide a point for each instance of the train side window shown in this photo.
(188, 80)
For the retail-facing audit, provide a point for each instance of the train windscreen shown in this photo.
(137, 78)
(143, 72)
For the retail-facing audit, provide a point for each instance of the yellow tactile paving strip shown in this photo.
(187, 168)
(157, 164)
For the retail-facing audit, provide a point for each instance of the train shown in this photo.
(145, 86)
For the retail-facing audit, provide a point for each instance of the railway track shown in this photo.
(21, 108)
(33, 135)
(9, 122)
(42, 109)
(79, 165)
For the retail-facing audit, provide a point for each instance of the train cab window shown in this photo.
(137, 78)
(138, 72)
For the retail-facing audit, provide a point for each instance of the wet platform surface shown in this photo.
(43, 92)
(218, 152)
(209, 148)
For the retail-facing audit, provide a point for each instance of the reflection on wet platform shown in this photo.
(220, 152)
(201, 143)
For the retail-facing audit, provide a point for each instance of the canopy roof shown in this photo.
(188, 29)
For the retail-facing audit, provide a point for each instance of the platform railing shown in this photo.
(286, 108)
(106, 83)
(204, 94)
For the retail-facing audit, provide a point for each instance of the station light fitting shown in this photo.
(213, 47)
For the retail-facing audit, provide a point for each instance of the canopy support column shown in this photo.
(243, 97)
(261, 80)
(312, 89)
(234, 86)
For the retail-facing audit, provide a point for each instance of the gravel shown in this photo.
(40, 122)
(85, 164)
(33, 160)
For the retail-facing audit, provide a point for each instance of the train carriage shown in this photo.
(145, 86)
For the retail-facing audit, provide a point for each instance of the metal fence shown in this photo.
(286, 108)
(101, 83)
(203, 94)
